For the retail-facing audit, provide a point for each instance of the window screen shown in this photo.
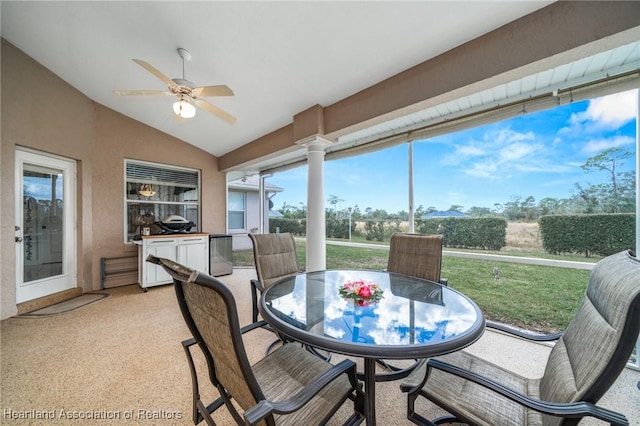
(155, 191)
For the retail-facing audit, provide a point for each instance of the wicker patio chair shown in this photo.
(416, 255)
(419, 256)
(275, 258)
(290, 386)
(583, 364)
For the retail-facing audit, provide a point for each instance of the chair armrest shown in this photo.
(525, 335)
(257, 285)
(416, 380)
(571, 410)
(265, 408)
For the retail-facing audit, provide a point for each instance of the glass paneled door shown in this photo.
(45, 225)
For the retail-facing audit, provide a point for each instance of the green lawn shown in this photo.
(539, 298)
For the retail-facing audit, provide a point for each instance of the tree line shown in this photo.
(616, 194)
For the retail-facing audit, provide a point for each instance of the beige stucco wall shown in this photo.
(42, 112)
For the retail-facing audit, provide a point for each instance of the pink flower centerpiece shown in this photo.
(363, 293)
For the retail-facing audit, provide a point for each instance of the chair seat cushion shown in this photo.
(487, 408)
(289, 368)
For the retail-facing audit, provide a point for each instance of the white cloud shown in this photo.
(608, 112)
(469, 151)
(484, 168)
(518, 150)
(498, 144)
(597, 145)
(543, 167)
(499, 154)
(462, 153)
(507, 136)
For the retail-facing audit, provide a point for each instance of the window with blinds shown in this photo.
(155, 191)
(237, 210)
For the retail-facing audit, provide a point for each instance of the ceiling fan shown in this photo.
(186, 92)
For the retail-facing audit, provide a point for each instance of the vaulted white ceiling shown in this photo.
(279, 58)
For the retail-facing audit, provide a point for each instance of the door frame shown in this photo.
(68, 279)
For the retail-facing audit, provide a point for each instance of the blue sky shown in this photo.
(538, 154)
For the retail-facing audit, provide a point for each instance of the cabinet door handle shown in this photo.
(193, 239)
(162, 242)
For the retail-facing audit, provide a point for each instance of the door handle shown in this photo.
(18, 239)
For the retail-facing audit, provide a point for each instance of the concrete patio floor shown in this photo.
(521, 356)
(123, 355)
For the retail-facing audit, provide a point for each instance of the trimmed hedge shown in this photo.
(339, 228)
(374, 230)
(294, 226)
(599, 234)
(336, 228)
(487, 233)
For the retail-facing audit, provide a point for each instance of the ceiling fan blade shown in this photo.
(141, 92)
(215, 111)
(178, 119)
(206, 91)
(155, 72)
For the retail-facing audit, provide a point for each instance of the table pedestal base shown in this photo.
(370, 391)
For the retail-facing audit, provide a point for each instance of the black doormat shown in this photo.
(67, 305)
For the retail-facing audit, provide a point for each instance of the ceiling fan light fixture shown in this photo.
(184, 109)
(188, 93)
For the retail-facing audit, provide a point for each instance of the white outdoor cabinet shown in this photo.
(190, 250)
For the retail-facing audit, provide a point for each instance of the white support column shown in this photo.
(637, 250)
(638, 186)
(316, 224)
(411, 205)
(262, 206)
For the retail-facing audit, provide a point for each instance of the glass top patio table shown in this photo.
(414, 319)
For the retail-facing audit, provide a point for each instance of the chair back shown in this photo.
(275, 257)
(209, 309)
(598, 342)
(416, 255)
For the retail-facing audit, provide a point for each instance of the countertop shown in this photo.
(176, 235)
